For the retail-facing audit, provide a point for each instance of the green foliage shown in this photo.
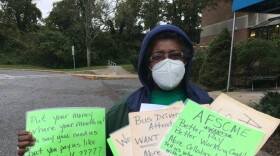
(129, 29)
(8, 37)
(24, 14)
(49, 48)
(213, 73)
(254, 51)
(130, 68)
(269, 104)
(12, 47)
(185, 14)
(197, 61)
(64, 15)
(118, 38)
(4, 59)
(23, 66)
(134, 61)
(152, 13)
(105, 48)
(275, 38)
(126, 15)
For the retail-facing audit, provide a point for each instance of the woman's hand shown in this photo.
(25, 139)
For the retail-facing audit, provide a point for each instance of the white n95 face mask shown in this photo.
(168, 73)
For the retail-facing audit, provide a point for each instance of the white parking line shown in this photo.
(4, 76)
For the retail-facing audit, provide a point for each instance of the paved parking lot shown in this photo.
(21, 91)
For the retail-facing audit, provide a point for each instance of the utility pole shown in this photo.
(231, 49)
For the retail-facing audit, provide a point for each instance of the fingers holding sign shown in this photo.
(25, 139)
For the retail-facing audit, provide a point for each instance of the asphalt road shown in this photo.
(21, 91)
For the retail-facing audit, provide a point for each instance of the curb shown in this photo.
(85, 76)
(105, 77)
(38, 70)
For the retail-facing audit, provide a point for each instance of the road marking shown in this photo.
(4, 76)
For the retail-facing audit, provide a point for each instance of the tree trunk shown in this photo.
(88, 26)
(88, 56)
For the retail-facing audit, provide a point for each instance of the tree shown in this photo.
(88, 18)
(213, 73)
(11, 45)
(151, 13)
(127, 15)
(66, 17)
(96, 13)
(82, 22)
(254, 51)
(23, 13)
(186, 14)
(65, 14)
(49, 47)
(129, 27)
(197, 61)
(17, 18)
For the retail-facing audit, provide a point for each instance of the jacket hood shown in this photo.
(143, 73)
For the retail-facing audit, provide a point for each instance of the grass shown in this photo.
(129, 68)
(22, 67)
(32, 67)
(85, 68)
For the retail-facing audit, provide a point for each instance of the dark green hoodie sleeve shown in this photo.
(116, 118)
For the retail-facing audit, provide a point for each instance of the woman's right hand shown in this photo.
(25, 139)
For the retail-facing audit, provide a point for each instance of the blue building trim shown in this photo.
(240, 4)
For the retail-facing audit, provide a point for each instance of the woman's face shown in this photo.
(163, 49)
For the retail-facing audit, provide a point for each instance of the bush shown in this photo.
(49, 48)
(12, 46)
(197, 61)
(134, 61)
(275, 39)
(214, 70)
(259, 52)
(4, 59)
(269, 104)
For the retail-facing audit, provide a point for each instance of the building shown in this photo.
(247, 24)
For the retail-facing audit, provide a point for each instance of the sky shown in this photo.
(45, 6)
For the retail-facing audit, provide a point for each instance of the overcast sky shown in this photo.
(45, 6)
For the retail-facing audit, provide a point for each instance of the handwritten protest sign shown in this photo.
(67, 132)
(149, 127)
(122, 141)
(200, 131)
(239, 112)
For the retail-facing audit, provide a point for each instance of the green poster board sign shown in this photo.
(112, 147)
(67, 132)
(200, 131)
